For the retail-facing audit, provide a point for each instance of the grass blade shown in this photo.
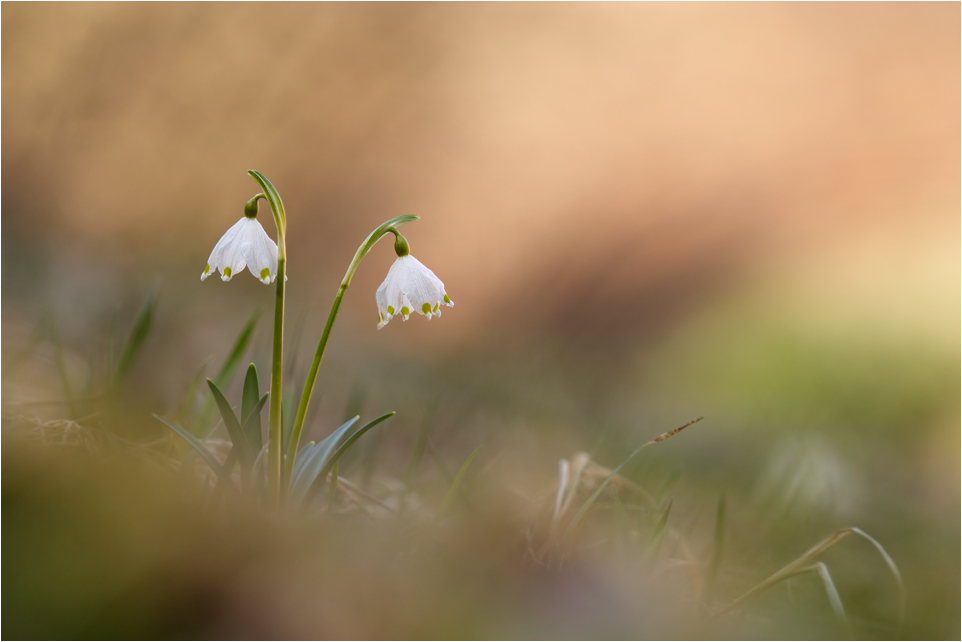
(322, 475)
(138, 335)
(453, 490)
(237, 436)
(799, 565)
(448, 477)
(893, 568)
(254, 418)
(197, 445)
(822, 571)
(191, 394)
(315, 460)
(717, 547)
(659, 533)
(250, 399)
(302, 455)
(564, 468)
(576, 520)
(226, 373)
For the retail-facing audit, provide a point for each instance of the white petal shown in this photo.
(408, 288)
(260, 252)
(215, 261)
(223, 255)
(244, 244)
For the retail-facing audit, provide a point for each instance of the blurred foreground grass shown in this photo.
(110, 535)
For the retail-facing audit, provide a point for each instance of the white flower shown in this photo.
(410, 286)
(245, 244)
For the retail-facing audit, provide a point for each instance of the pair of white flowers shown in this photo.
(409, 286)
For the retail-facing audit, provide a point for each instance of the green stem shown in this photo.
(275, 453)
(274, 448)
(365, 247)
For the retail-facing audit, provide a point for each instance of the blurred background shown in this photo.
(645, 213)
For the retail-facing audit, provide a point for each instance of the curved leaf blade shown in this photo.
(138, 335)
(250, 399)
(237, 436)
(270, 192)
(318, 481)
(576, 520)
(300, 458)
(197, 445)
(315, 460)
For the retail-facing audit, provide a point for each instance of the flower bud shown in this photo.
(250, 209)
(401, 245)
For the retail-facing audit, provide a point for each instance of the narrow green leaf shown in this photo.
(798, 565)
(255, 418)
(197, 445)
(273, 198)
(138, 335)
(238, 433)
(250, 398)
(659, 533)
(893, 568)
(448, 477)
(576, 520)
(453, 490)
(300, 458)
(226, 374)
(332, 461)
(302, 479)
(237, 436)
(190, 395)
(717, 548)
(369, 457)
(833, 597)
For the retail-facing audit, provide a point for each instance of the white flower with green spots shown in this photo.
(245, 244)
(410, 287)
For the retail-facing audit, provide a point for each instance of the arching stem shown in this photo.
(275, 431)
(385, 228)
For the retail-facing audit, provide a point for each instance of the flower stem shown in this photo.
(365, 247)
(275, 454)
(274, 448)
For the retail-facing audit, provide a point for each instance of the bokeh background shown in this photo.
(645, 213)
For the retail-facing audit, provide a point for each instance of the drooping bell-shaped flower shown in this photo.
(245, 244)
(410, 287)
